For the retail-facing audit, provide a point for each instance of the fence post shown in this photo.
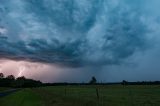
(65, 91)
(97, 92)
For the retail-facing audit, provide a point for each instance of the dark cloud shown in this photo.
(72, 32)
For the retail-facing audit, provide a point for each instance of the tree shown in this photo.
(10, 77)
(124, 82)
(1, 75)
(93, 80)
(20, 81)
(21, 78)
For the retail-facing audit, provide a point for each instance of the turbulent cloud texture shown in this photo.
(73, 32)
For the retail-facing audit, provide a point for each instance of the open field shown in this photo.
(109, 95)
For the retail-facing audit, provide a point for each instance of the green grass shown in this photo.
(24, 97)
(115, 95)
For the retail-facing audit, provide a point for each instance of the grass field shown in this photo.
(115, 95)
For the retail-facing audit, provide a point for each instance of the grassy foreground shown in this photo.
(115, 95)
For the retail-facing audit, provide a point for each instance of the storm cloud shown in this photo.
(74, 32)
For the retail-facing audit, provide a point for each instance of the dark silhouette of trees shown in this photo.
(20, 82)
(21, 78)
(93, 80)
(141, 83)
(10, 77)
(1, 75)
(124, 82)
(9, 80)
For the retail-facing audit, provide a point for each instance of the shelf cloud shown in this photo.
(72, 32)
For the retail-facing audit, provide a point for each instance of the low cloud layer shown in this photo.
(76, 32)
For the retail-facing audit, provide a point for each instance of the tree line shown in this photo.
(20, 82)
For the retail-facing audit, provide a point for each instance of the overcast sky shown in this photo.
(73, 40)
